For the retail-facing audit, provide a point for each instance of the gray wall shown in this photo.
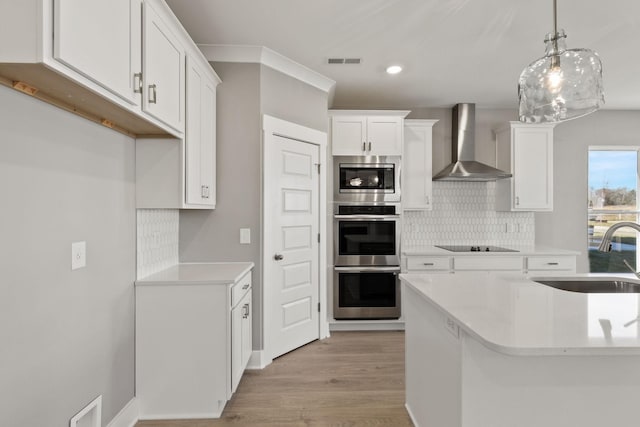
(215, 235)
(566, 226)
(247, 91)
(289, 99)
(65, 337)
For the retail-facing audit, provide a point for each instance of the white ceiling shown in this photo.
(451, 50)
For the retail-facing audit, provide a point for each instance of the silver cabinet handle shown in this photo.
(428, 263)
(246, 286)
(246, 311)
(364, 146)
(137, 83)
(517, 201)
(278, 257)
(552, 263)
(152, 94)
(369, 145)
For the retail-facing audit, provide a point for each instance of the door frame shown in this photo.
(272, 127)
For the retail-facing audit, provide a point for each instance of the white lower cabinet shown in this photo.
(429, 263)
(543, 264)
(193, 343)
(551, 265)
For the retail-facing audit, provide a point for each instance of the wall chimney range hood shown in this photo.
(464, 167)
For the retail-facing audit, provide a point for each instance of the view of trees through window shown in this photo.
(613, 185)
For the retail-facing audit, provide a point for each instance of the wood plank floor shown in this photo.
(349, 379)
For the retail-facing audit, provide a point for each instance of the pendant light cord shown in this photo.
(555, 17)
(555, 59)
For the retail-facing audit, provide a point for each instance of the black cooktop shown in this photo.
(474, 248)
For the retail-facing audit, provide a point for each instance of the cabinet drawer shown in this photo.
(428, 263)
(551, 263)
(240, 288)
(488, 263)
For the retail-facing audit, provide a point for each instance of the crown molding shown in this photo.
(265, 56)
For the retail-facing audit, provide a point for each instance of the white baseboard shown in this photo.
(128, 416)
(413, 420)
(366, 325)
(258, 360)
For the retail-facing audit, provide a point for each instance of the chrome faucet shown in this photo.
(605, 244)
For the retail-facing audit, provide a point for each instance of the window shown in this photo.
(613, 185)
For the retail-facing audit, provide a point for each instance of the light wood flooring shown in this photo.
(349, 379)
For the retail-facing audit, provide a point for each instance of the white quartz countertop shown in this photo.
(205, 273)
(512, 314)
(521, 251)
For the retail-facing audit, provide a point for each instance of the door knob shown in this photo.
(278, 257)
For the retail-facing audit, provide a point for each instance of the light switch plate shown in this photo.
(78, 255)
(245, 236)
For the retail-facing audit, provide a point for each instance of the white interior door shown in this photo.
(292, 212)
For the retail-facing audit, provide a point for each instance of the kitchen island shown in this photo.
(500, 350)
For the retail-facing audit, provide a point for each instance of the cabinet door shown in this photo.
(163, 72)
(532, 157)
(193, 136)
(102, 41)
(247, 336)
(241, 339)
(200, 137)
(236, 346)
(429, 263)
(384, 136)
(208, 142)
(349, 135)
(417, 165)
(550, 265)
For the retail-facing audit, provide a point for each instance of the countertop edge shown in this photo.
(522, 351)
(150, 281)
(521, 251)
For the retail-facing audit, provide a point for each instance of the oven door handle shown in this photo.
(380, 217)
(369, 269)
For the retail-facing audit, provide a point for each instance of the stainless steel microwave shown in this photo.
(366, 179)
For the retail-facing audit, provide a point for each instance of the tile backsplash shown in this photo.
(464, 214)
(157, 240)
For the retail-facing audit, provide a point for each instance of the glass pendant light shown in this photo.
(564, 84)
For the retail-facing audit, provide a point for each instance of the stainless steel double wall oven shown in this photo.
(366, 237)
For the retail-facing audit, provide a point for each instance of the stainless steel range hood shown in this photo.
(464, 167)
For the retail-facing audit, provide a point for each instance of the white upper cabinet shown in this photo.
(101, 40)
(120, 63)
(181, 173)
(200, 143)
(417, 165)
(367, 133)
(525, 150)
(163, 69)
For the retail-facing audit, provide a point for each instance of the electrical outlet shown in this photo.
(78, 255)
(245, 236)
(453, 328)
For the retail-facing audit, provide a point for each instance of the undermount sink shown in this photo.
(589, 285)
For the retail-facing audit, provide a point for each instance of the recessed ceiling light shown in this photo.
(394, 69)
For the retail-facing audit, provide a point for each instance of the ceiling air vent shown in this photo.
(344, 60)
